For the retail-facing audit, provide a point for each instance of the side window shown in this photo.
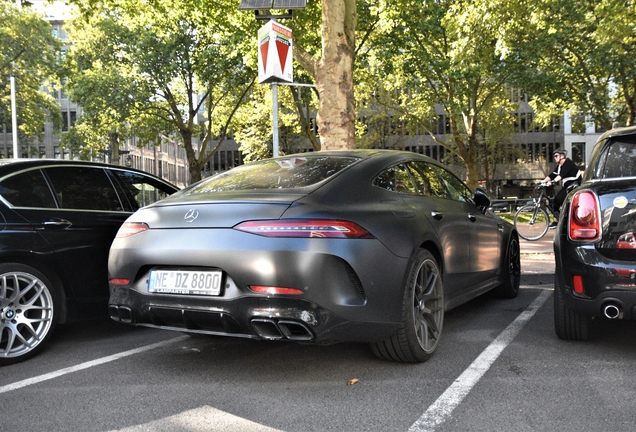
(141, 190)
(396, 179)
(455, 186)
(431, 183)
(27, 189)
(83, 188)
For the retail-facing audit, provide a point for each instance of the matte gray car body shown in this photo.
(345, 289)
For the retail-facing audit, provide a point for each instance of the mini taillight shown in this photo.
(131, 228)
(585, 217)
(275, 290)
(305, 228)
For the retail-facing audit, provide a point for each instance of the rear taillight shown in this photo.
(305, 228)
(131, 228)
(585, 217)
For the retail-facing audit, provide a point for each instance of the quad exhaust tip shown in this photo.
(271, 329)
(121, 314)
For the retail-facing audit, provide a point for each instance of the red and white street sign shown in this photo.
(275, 53)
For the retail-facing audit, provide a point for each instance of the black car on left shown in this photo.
(58, 219)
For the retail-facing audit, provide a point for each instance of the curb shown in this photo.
(537, 278)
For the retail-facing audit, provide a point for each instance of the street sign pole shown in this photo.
(275, 119)
(14, 119)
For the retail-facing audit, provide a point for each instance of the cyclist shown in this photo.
(565, 172)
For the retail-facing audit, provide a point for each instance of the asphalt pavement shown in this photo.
(537, 261)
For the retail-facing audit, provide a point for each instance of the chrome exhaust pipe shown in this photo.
(293, 330)
(611, 311)
(266, 329)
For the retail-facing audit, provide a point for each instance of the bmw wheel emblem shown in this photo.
(191, 215)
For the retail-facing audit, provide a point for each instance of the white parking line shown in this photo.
(86, 365)
(443, 407)
(203, 419)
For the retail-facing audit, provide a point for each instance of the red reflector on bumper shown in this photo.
(577, 284)
(116, 281)
(275, 290)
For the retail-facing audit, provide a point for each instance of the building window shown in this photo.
(68, 119)
(578, 154)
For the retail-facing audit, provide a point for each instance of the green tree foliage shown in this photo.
(453, 53)
(583, 59)
(30, 53)
(147, 69)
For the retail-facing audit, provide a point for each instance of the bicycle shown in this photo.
(532, 220)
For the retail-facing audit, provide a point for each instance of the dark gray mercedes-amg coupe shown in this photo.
(362, 245)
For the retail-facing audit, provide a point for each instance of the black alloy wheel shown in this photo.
(422, 315)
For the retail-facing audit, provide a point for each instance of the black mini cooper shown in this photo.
(594, 247)
(57, 221)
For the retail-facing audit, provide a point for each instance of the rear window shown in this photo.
(618, 159)
(27, 189)
(281, 173)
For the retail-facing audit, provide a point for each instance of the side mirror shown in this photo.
(480, 198)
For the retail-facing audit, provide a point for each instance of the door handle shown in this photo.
(56, 223)
(472, 217)
(437, 215)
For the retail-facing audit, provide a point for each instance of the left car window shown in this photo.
(140, 189)
(83, 188)
(27, 189)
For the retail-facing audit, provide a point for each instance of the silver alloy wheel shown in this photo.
(26, 313)
(428, 305)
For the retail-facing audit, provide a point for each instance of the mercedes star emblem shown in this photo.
(191, 215)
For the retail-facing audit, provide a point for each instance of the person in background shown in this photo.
(565, 172)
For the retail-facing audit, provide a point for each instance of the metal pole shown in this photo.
(275, 118)
(14, 119)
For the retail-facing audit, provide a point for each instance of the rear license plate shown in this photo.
(185, 282)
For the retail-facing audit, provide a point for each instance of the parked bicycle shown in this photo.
(532, 221)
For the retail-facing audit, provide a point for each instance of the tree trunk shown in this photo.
(333, 74)
(194, 164)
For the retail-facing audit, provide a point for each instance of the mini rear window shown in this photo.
(619, 159)
(281, 173)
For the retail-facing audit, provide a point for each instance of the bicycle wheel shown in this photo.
(531, 222)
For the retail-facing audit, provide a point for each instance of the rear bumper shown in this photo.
(609, 286)
(245, 317)
(350, 290)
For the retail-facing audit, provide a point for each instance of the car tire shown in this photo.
(29, 309)
(512, 271)
(568, 324)
(422, 315)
